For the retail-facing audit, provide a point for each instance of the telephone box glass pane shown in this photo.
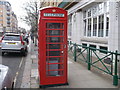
(55, 59)
(55, 32)
(54, 73)
(55, 66)
(53, 53)
(53, 46)
(55, 39)
(55, 26)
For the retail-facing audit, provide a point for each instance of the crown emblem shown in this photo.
(54, 10)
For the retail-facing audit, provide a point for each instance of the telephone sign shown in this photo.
(53, 15)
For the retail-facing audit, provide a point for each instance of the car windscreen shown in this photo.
(12, 38)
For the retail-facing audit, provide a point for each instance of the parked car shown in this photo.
(6, 79)
(11, 42)
(26, 38)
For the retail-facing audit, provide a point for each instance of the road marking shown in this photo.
(16, 75)
(21, 63)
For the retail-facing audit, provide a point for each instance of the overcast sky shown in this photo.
(17, 8)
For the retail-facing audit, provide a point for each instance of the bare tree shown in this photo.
(31, 17)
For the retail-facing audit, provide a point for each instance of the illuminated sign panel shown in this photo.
(53, 15)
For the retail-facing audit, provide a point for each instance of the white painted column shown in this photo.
(73, 37)
(113, 31)
(118, 4)
(77, 29)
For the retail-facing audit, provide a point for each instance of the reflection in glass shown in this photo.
(55, 66)
(55, 25)
(53, 46)
(95, 26)
(89, 27)
(54, 73)
(54, 39)
(54, 32)
(55, 59)
(53, 53)
(107, 24)
(101, 26)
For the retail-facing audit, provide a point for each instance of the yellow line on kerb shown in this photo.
(16, 75)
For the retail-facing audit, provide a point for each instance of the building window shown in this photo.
(1, 15)
(89, 13)
(1, 24)
(96, 20)
(95, 26)
(103, 48)
(84, 27)
(84, 45)
(89, 28)
(101, 26)
(107, 24)
(74, 18)
(101, 8)
(1, 3)
(93, 47)
(107, 6)
(84, 14)
(94, 11)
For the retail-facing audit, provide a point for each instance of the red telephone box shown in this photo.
(52, 46)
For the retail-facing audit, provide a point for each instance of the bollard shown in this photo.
(88, 58)
(70, 42)
(115, 76)
(75, 52)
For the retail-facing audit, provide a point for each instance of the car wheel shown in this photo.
(26, 50)
(12, 88)
(3, 53)
(24, 53)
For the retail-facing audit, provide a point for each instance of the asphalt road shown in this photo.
(16, 62)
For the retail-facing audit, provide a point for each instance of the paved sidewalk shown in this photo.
(78, 75)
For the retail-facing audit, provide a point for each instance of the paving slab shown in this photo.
(80, 77)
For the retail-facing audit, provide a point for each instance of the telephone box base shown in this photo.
(53, 85)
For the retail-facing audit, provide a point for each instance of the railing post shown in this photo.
(115, 76)
(75, 52)
(70, 42)
(88, 59)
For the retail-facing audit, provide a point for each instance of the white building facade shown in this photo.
(95, 24)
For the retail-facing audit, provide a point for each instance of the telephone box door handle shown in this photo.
(64, 46)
